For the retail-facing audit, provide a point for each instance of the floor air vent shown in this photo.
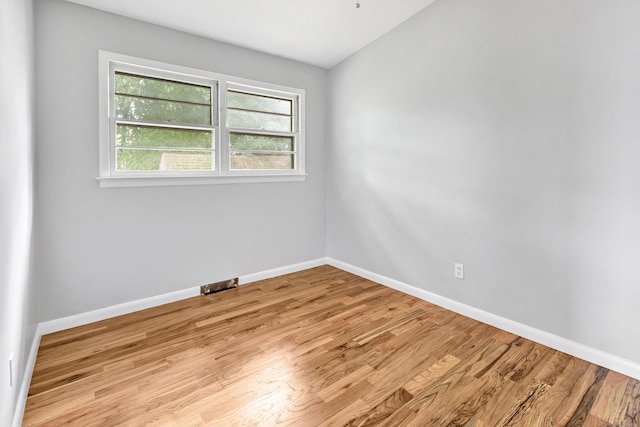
(212, 288)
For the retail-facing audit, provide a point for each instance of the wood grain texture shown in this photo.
(321, 347)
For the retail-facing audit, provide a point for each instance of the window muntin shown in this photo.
(170, 121)
(252, 151)
(148, 148)
(157, 88)
(253, 111)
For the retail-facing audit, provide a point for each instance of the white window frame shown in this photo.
(110, 62)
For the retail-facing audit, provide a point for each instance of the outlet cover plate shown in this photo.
(458, 271)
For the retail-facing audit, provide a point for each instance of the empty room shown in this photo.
(320, 213)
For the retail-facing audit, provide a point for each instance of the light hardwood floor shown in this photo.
(315, 348)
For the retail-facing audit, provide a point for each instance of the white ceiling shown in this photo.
(317, 32)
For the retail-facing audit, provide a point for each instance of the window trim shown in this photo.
(110, 62)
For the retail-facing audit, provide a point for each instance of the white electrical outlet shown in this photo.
(11, 370)
(458, 271)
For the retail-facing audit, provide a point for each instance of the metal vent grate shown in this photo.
(212, 288)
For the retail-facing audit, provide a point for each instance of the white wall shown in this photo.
(18, 311)
(504, 135)
(102, 247)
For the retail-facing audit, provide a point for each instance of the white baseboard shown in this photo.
(268, 274)
(126, 308)
(589, 354)
(132, 306)
(592, 355)
(116, 310)
(26, 380)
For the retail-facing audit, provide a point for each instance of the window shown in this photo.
(163, 124)
(261, 131)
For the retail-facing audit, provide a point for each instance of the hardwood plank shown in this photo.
(588, 399)
(337, 388)
(383, 410)
(317, 347)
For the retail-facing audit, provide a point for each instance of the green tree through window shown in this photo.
(146, 108)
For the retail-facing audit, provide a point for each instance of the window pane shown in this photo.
(261, 161)
(162, 160)
(161, 89)
(241, 141)
(246, 101)
(148, 136)
(181, 161)
(258, 121)
(130, 107)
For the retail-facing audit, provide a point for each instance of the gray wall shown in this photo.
(101, 247)
(18, 310)
(504, 135)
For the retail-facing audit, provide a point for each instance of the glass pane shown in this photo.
(246, 101)
(130, 107)
(241, 141)
(258, 121)
(261, 161)
(162, 89)
(162, 160)
(147, 136)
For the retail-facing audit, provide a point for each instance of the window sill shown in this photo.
(154, 181)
